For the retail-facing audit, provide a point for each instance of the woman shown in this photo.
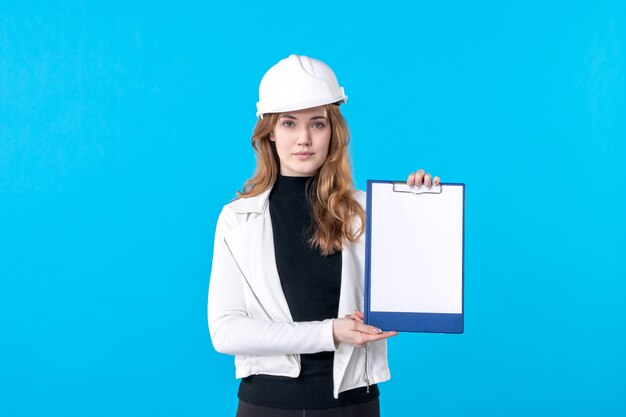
(286, 284)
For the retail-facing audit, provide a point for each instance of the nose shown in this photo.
(304, 137)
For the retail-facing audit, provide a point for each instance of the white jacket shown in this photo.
(248, 313)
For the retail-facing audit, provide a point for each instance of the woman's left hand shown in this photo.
(422, 177)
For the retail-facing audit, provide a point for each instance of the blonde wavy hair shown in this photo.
(333, 207)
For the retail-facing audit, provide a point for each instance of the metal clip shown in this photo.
(403, 187)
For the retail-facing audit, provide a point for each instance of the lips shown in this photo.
(304, 156)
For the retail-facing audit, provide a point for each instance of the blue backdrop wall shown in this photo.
(124, 128)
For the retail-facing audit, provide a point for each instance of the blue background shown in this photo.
(124, 128)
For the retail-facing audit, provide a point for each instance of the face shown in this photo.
(302, 140)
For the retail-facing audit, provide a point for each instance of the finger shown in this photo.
(419, 176)
(367, 329)
(375, 337)
(355, 318)
(428, 180)
(359, 314)
(411, 180)
(436, 181)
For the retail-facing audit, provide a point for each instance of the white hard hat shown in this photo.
(298, 82)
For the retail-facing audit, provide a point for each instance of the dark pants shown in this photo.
(368, 409)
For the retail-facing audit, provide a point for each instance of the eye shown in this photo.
(288, 123)
(318, 125)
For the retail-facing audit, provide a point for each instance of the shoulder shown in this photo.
(241, 210)
(254, 204)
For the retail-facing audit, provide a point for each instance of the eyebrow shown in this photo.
(288, 116)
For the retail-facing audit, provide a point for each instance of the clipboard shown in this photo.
(414, 257)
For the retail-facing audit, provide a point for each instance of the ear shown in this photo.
(272, 136)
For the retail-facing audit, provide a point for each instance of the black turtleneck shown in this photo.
(311, 283)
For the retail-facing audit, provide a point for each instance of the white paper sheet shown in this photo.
(416, 250)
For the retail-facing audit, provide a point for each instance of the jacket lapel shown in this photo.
(252, 246)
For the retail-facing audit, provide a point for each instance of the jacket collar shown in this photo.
(256, 204)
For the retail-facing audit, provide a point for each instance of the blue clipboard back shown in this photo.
(414, 320)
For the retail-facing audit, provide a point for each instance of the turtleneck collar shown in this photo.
(290, 188)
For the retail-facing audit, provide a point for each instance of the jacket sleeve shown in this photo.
(233, 332)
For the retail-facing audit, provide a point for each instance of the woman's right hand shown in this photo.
(352, 330)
